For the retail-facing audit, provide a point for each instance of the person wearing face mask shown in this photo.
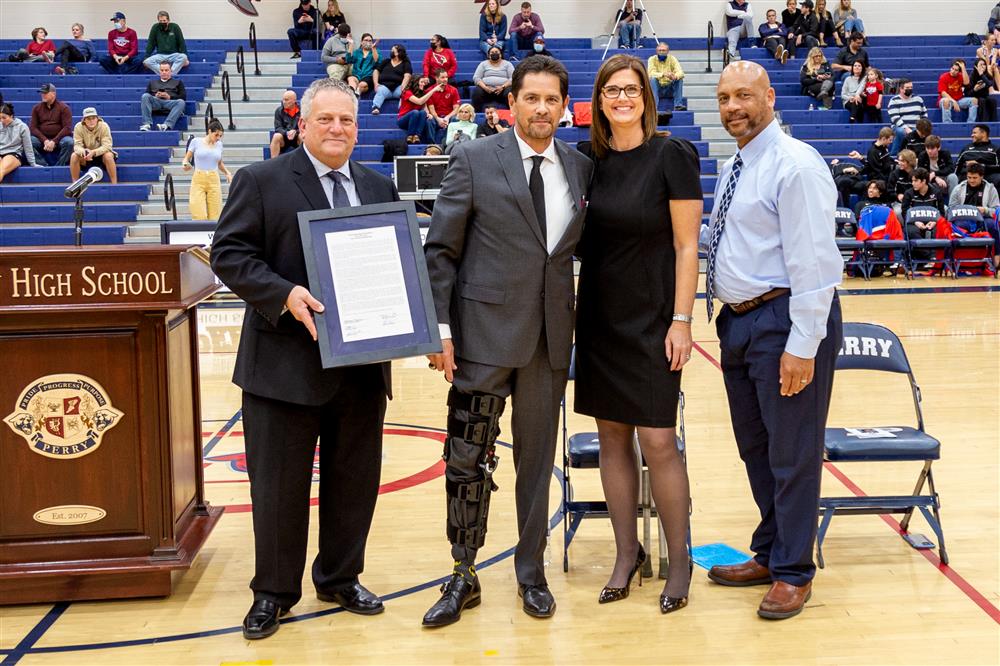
(363, 61)
(493, 79)
(538, 47)
(123, 47)
(336, 51)
(667, 77)
(905, 109)
(391, 77)
(439, 56)
(165, 44)
(524, 28)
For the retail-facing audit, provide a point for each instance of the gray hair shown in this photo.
(326, 84)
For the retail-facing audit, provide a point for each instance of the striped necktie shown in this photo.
(717, 229)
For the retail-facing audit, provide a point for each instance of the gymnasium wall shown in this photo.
(458, 18)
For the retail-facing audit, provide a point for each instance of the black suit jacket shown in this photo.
(257, 252)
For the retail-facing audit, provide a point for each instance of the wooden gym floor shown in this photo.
(877, 601)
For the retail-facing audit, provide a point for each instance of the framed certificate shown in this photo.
(366, 265)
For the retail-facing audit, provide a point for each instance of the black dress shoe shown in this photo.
(538, 601)
(456, 595)
(262, 619)
(355, 598)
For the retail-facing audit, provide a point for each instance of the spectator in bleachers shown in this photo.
(76, 49)
(982, 86)
(816, 78)
(846, 21)
(305, 23)
(739, 24)
(492, 79)
(852, 92)
(391, 77)
(876, 165)
(853, 52)
(915, 140)
(981, 150)
(976, 191)
(773, 36)
(951, 89)
(414, 118)
(922, 192)
(337, 51)
(463, 128)
(539, 47)
(442, 106)
(875, 195)
(492, 123)
(332, 18)
(988, 51)
(938, 162)
(874, 87)
(51, 128)
(165, 44)
(39, 49)
(523, 29)
(992, 24)
(827, 35)
(205, 201)
(629, 22)
(899, 179)
(16, 146)
(123, 47)
(666, 76)
(92, 143)
(164, 93)
(790, 15)
(905, 110)
(439, 56)
(433, 149)
(805, 32)
(363, 61)
(286, 125)
(492, 27)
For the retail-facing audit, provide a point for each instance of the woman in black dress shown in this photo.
(637, 286)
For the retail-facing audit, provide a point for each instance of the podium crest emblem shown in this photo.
(63, 416)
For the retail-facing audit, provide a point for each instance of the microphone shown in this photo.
(76, 190)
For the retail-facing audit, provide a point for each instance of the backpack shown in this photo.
(393, 147)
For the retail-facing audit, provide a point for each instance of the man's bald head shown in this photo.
(746, 100)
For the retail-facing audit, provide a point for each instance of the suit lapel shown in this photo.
(513, 169)
(576, 189)
(307, 181)
(361, 184)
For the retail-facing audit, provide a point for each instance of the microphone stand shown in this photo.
(78, 220)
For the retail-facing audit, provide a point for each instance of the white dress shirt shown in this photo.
(558, 198)
(780, 233)
(327, 183)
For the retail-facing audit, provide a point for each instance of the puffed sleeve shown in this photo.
(681, 169)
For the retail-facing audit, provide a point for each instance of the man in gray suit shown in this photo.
(500, 257)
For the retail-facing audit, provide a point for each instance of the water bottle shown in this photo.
(548, 547)
(812, 107)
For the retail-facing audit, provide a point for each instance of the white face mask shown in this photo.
(120, 25)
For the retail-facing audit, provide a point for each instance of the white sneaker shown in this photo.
(143, 128)
(162, 127)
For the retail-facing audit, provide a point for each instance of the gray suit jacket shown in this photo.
(493, 279)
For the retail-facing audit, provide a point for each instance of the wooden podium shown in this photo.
(101, 491)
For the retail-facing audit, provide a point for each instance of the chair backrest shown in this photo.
(922, 214)
(966, 216)
(506, 114)
(582, 114)
(846, 224)
(871, 347)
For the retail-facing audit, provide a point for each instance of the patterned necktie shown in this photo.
(537, 187)
(340, 198)
(720, 224)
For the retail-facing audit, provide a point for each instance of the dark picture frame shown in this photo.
(368, 229)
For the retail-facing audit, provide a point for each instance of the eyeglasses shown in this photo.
(614, 92)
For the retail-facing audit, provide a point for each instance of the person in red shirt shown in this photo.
(442, 106)
(439, 56)
(414, 117)
(123, 47)
(872, 92)
(39, 49)
(951, 88)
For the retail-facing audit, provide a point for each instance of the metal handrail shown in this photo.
(253, 45)
(227, 96)
(240, 69)
(708, 47)
(209, 116)
(169, 196)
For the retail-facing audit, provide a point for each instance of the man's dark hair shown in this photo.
(525, 5)
(976, 167)
(162, 13)
(924, 126)
(438, 72)
(540, 64)
(959, 62)
(920, 173)
(879, 185)
(932, 141)
(857, 37)
(343, 30)
(984, 128)
(902, 81)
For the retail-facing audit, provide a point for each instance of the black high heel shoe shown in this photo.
(609, 594)
(671, 604)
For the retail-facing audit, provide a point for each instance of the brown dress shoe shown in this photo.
(744, 574)
(784, 600)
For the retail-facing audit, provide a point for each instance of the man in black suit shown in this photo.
(289, 400)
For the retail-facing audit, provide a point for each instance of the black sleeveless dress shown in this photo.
(626, 290)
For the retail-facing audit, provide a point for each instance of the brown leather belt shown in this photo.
(754, 303)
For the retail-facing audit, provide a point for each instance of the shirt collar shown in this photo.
(322, 170)
(527, 151)
(761, 142)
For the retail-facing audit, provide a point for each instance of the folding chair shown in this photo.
(582, 451)
(851, 249)
(940, 248)
(889, 248)
(963, 248)
(876, 348)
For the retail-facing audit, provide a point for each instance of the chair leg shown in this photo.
(937, 516)
(821, 534)
(904, 524)
(647, 515)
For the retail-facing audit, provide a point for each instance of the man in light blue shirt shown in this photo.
(773, 264)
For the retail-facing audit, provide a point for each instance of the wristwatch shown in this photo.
(687, 319)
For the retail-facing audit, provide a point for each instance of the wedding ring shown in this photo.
(803, 381)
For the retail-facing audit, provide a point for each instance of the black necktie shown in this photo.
(537, 187)
(340, 198)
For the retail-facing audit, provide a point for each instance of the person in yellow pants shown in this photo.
(205, 201)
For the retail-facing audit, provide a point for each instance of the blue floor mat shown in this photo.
(711, 554)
